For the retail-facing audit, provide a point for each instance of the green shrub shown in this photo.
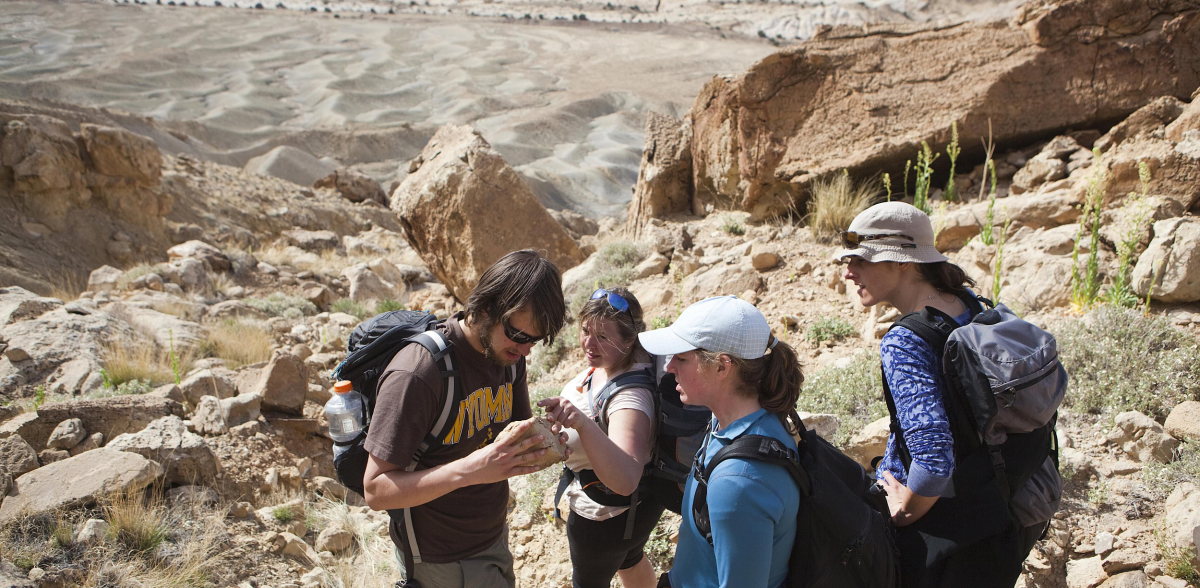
(614, 267)
(350, 307)
(388, 306)
(732, 226)
(830, 328)
(854, 393)
(280, 304)
(283, 513)
(1120, 359)
(545, 357)
(659, 322)
(1162, 478)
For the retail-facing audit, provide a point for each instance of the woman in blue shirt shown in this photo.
(725, 358)
(949, 532)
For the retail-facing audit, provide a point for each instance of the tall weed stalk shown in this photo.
(953, 150)
(924, 170)
(1120, 292)
(1085, 282)
(999, 262)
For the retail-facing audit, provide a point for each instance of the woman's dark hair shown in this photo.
(629, 323)
(775, 378)
(521, 279)
(946, 277)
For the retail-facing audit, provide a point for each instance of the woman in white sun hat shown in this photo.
(945, 538)
(724, 358)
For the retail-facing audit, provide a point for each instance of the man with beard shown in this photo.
(456, 497)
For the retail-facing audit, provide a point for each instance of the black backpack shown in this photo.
(844, 539)
(679, 431)
(371, 347)
(1005, 384)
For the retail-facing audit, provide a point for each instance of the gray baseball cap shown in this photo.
(891, 231)
(721, 324)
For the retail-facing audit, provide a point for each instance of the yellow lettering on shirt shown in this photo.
(480, 409)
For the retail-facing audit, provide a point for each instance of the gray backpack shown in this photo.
(1004, 386)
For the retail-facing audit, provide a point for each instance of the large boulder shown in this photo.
(241, 409)
(16, 456)
(1183, 517)
(218, 382)
(122, 154)
(67, 434)
(1141, 438)
(314, 241)
(196, 249)
(353, 186)
(865, 101)
(76, 481)
(168, 330)
(1184, 421)
(291, 164)
(365, 284)
(111, 416)
(1171, 262)
(1155, 115)
(18, 304)
(664, 183)
(1036, 266)
(185, 455)
(463, 207)
(65, 334)
(283, 384)
(720, 279)
(869, 443)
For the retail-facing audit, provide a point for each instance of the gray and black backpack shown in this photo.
(1004, 386)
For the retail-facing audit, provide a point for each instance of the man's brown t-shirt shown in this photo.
(410, 400)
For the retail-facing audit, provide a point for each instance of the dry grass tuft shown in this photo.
(369, 563)
(138, 521)
(237, 342)
(128, 362)
(834, 203)
(66, 285)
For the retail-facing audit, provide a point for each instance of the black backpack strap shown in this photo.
(438, 346)
(623, 381)
(934, 327)
(755, 447)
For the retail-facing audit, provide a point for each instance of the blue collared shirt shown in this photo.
(752, 507)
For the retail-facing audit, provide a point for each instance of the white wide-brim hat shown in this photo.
(891, 231)
(721, 324)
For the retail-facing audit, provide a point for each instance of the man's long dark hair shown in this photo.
(521, 279)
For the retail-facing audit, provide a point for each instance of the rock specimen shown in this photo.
(555, 450)
(463, 207)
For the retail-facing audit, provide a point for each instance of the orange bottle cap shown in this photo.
(343, 387)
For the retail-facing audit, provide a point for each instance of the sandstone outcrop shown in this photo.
(78, 480)
(75, 336)
(353, 186)
(187, 459)
(664, 183)
(866, 101)
(111, 416)
(1171, 263)
(463, 207)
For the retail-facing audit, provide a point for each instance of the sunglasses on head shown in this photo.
(615, 300)
(851, 239)
(518, 336)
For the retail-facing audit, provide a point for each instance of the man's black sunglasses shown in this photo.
(518, 336)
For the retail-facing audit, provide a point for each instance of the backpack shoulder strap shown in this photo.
(439, 347)
(623, 381)
(755, 447)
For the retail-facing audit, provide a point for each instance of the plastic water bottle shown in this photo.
(345, 413)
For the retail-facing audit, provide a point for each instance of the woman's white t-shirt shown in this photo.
(629, 399)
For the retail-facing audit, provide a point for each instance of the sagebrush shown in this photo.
(1119, 359)
(854, 393)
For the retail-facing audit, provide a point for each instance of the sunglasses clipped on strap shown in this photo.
(615, 300)
(851, 239)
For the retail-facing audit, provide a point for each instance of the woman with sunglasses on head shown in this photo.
(724, 358)
(948, 535)
(609, 411)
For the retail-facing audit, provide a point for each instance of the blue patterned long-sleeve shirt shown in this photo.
(914, 375)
